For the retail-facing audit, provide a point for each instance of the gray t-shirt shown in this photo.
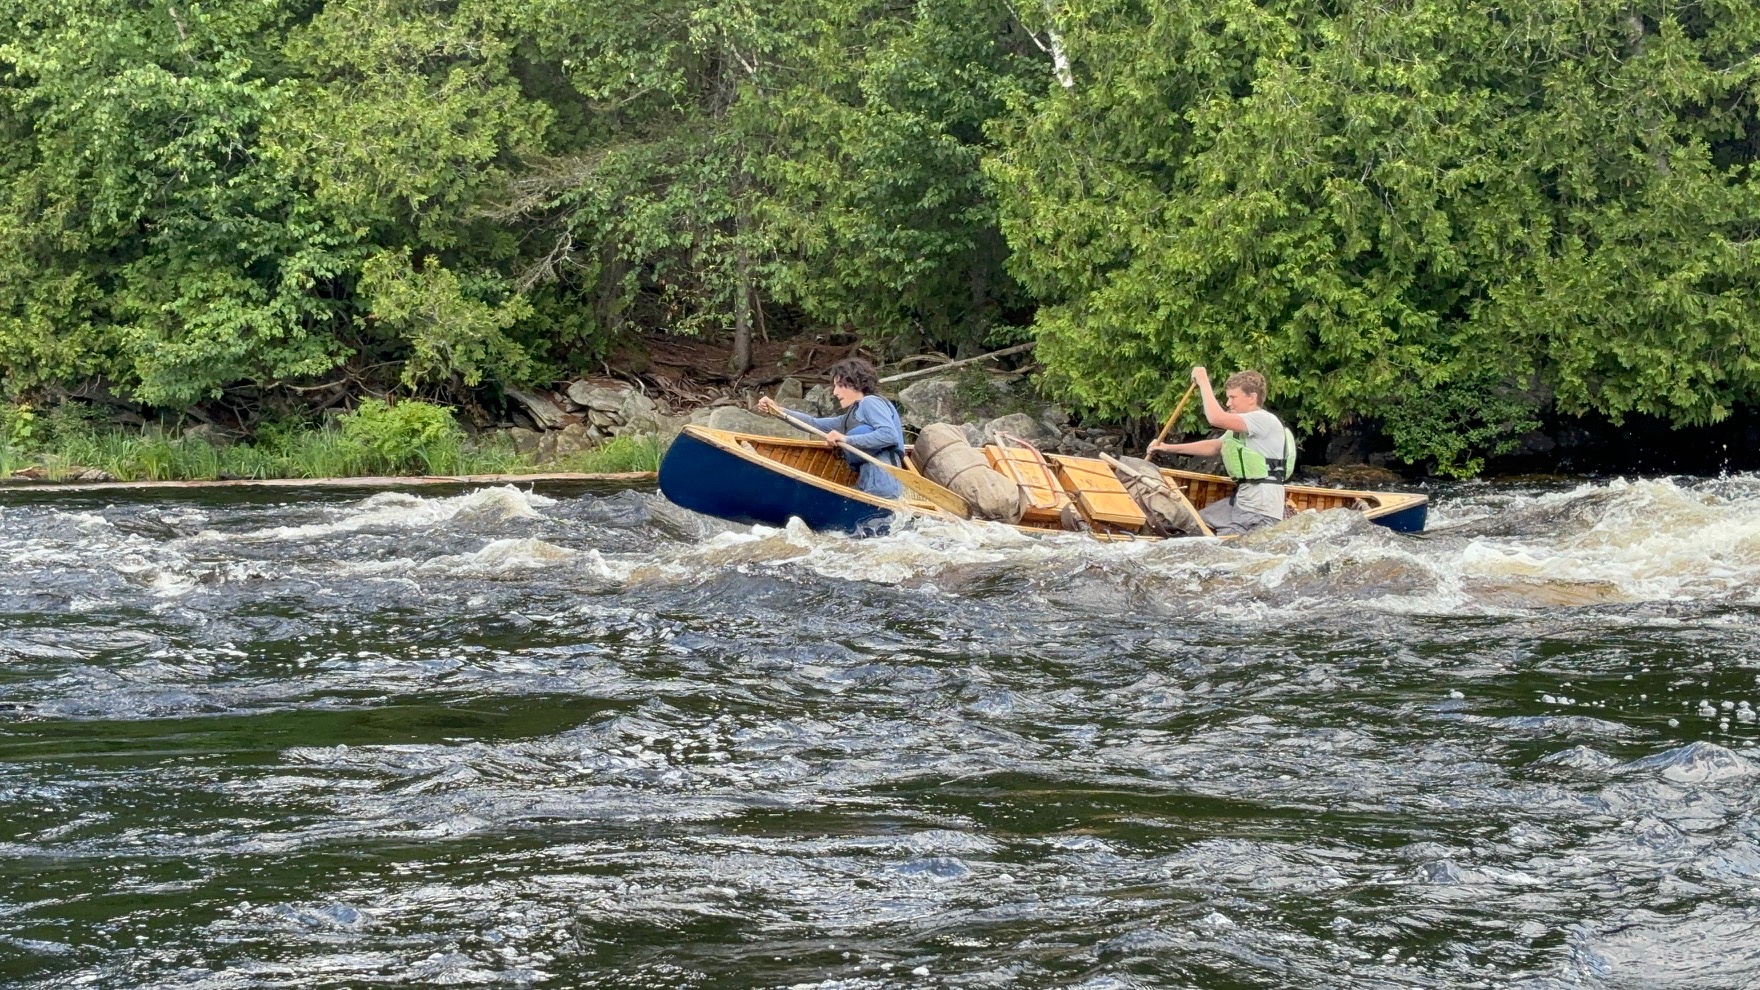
(1265, 436)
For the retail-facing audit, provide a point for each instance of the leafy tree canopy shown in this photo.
(1447, 210)
(1445, 215)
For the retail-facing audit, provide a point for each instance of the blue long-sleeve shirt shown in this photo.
(871, 425)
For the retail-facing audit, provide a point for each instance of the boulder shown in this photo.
(1020, 425)
(639, 413)
(664, 427)
(524, 441)
(1356, 476)
(599, 417)
(820, 400)
(543, 410)
(790, 393)
(599, 397)
(574, 440)
(933, 401)
(208, 433)
(1075, 446)
(745, 421)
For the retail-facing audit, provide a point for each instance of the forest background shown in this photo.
(1449, 217)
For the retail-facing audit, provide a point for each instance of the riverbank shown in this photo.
(405, 440)
(622, 420)
(15, 485)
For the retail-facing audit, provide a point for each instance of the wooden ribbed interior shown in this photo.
(807, 457)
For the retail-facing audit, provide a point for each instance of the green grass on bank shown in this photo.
(328, 451)
(619, 454)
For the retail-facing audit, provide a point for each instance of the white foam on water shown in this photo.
(520, 557)
(1496, 552)
(1653, 540)
(1504, 553)
(920, 549)
(163, 581)
(402, 510)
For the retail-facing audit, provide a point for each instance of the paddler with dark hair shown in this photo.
(1257, 451)
(868, 422)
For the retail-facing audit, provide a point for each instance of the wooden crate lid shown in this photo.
(1041, 490)
(1099, 493)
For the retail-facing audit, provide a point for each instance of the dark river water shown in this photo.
(582, 738)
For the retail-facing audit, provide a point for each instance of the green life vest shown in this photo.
(1248, 467)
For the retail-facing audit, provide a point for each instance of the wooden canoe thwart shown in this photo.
(760, 479)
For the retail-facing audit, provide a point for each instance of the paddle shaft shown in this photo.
(1177, 409)
(949, 500)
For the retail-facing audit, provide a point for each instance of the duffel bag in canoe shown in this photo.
(942, 454)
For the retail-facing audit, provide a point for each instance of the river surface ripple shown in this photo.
(582, 738)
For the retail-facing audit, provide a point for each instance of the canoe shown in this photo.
(747, 478)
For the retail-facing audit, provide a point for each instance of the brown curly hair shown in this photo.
(1250, 382)
(857, 374)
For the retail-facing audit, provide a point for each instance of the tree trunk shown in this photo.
(609, 303)
(983, 305)
(1052, 44)
(1060, 59)
(741, 362)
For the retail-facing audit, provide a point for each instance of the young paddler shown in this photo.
(867, 422)
(1257, 451)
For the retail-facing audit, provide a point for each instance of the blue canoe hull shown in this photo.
(1410, 520)
(716, 481)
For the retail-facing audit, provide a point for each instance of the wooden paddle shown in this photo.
(1177, 409)
(948, 501)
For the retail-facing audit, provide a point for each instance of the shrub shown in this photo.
(403, 437)
(17, 426)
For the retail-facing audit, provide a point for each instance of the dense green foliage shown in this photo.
(1446, 215)
(1452, 210)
